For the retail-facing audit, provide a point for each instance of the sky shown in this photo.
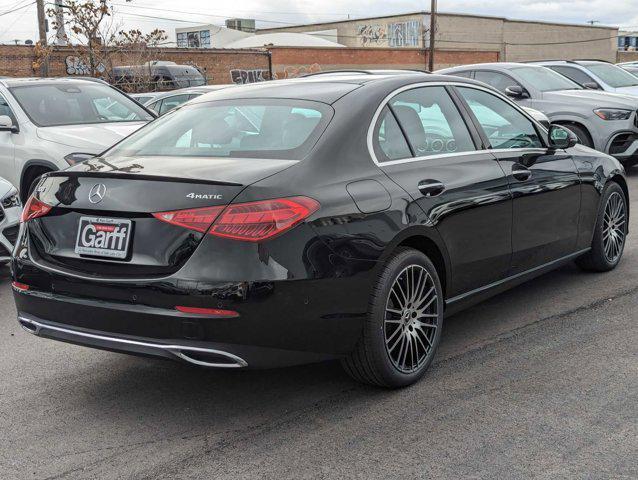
(21, 24)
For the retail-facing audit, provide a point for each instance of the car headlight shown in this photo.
(11, 199)
(613, 114)
(75, 158)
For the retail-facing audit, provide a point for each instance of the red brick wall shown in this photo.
(290, 62)
(16, 61)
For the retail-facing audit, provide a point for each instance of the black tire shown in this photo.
(598, 259)
(31, 181)
(583, 136)
(418, 327)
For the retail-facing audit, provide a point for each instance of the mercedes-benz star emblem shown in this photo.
(97, 193)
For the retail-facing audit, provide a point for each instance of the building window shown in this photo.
(404, 34)
(204, 37)
(182, 40)
(193, 40)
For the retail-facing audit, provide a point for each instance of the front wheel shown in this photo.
(610, 232)
(403, 326)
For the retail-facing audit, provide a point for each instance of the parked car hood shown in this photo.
(89, 138)
(598, 99)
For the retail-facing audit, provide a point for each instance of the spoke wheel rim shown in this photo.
(411, 319)
(614, 227)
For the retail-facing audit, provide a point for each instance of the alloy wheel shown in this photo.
(614, 227)
(411, 319)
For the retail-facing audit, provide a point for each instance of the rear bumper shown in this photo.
(206, 357)
(280, 324)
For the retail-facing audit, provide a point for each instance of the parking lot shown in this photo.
(541, 382)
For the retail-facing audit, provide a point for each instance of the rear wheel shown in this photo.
(403, 327)
(610, 232)
(30, 181)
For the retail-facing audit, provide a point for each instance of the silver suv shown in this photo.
(605, 121)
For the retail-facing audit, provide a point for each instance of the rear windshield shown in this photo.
(284, 129)
(77, 104)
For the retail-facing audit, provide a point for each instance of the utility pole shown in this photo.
(42, 29)
(432, 34)
(60, 36)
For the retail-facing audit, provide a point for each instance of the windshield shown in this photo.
(545, 80)
(77, 104)
(284, 129)
(612, 75)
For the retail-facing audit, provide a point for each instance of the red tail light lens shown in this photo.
(250, 222)
(23, 287)
(34, 208)
(198, 219)
(214, 312)
(257, 221)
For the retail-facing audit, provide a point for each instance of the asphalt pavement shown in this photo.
(539, 382)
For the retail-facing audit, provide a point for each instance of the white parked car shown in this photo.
(48, 124)
(10, 209)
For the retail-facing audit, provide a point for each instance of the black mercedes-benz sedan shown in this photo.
(338, 216)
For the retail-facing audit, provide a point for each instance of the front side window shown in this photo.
(5, 109)
(170, 103)
(573, 74)
(75, 104)
(431, 122)
(503, 124)
(284, 129)
(499, 81)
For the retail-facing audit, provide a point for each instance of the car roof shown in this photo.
(328, 87)
(22, 81)
(186, 91)
(489, 66)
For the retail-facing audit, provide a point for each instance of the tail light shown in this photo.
(250, 222)
(34, 208)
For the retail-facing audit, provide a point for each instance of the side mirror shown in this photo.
(516, 91)
(561, 137)
(6, 124)
(591, 86)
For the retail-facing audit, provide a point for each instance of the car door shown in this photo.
(545, 183)
(460, 187)
(7, 146)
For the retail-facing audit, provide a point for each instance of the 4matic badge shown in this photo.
(205, 196)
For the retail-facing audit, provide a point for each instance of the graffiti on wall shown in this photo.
(404, 34)
(77, 66)
(242, 77)
(372, 34)
(294, 71)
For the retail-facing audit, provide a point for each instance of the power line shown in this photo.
(7, 12)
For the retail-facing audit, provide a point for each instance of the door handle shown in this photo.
(431, 188)
(520, 172)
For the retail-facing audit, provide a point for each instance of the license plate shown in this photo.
(103, 237)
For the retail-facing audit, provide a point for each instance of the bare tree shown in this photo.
(98, 42)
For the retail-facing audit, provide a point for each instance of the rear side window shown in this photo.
(431, 122)
(259, 128)
(503, 124)
(390, 143)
